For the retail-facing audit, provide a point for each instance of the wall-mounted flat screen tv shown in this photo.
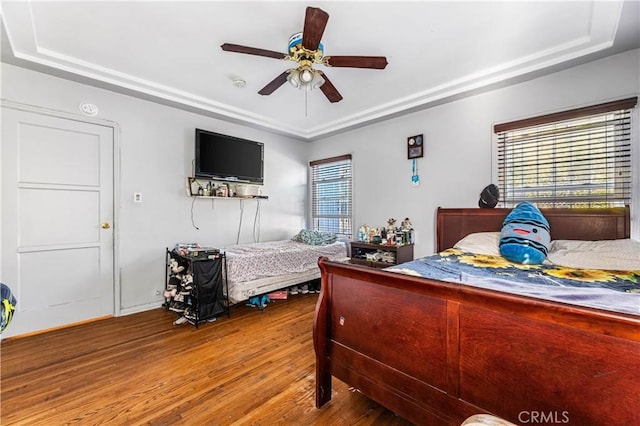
(227, 158)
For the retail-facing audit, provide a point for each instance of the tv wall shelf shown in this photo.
(210, 188)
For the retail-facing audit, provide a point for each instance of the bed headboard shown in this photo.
(566, 224)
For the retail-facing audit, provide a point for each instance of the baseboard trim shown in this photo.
(140, 308)
(60, 327)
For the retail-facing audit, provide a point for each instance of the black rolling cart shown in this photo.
(194, 282)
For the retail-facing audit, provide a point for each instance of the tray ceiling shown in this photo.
(170, 52)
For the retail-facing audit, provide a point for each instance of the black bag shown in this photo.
(208, 286)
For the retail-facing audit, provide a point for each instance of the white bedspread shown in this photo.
(246, 262)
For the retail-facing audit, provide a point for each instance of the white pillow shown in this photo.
(623, 255)
(480, 243)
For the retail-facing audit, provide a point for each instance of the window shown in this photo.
(576, 158)
(331, 209)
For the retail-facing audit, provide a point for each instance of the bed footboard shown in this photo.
(437, 353)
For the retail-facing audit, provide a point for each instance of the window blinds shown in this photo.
(577, 158)
(331, 195)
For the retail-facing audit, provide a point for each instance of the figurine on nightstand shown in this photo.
(407, 231)
(372, 234)
(391, 225)
(391, 231)
(363, 233)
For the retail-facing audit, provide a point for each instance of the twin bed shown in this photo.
(260, 268)
(438, 350)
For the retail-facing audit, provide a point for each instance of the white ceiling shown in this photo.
(437, 51)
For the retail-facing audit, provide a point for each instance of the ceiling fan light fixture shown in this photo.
(306, 75)
(317, 81)
(294, 78)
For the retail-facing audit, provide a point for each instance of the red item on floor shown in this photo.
(278, 295)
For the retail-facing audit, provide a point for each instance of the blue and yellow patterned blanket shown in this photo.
(611, 290)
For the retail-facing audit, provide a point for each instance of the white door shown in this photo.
(57, 214)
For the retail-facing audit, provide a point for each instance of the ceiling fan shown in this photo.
(306, 49)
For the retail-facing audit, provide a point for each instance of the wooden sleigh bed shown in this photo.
(437, 352)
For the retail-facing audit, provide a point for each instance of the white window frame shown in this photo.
(345, 228)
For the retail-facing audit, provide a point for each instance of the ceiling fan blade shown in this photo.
(330, 90)
(228, 47)
(315, 21)
(275, 84)
(375, 62)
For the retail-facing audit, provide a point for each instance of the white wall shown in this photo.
(458, 159)
(156, 150)
(156, 153)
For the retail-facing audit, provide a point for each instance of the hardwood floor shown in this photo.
(254, 368)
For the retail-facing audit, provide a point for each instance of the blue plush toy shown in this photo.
(525, 235)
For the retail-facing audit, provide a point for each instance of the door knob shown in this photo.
(106, 225)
